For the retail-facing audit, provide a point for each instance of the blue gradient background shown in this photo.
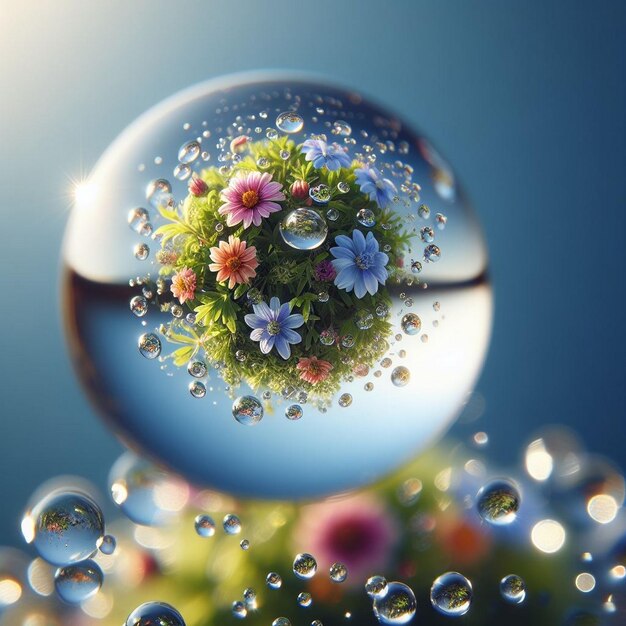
(527, 101)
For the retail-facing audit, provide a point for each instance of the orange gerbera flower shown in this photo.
(313, 370)
(234, 261)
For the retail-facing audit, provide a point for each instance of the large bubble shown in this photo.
(124, 318)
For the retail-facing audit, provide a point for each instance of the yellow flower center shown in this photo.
(233, 264)
(250, 198)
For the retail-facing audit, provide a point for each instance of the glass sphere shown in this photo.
(360, 156)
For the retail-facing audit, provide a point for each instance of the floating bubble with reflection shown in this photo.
(397, 606)
(65, 527)
(153, 613)
(149, 402)
(75, 583)
(451, 594)
(498, 502)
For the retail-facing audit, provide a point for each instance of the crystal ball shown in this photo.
(263, 241)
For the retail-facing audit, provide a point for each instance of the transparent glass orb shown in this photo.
(110, 258)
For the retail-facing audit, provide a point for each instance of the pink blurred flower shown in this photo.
(184, 284)
(249, 198)
(358, 531)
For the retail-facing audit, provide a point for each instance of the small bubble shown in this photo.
(338, 572)
(249, 597)
(304, 566)
(75, 583)
(247, 410)
(441, 221)
(513, 589)
(366, 218)
(189, 152)
(416, 267)
(343, 187)
(197, 389)
(263, 163)
(424, 338)
(231, 524)
(423, 211)
(281, 621)
(204, 525)
(320, 193)
(498, 502)
(197, 369)
(400, 376)
(289, 122)
(238, 609)
(364, 319)
(273, 580)
(182, 171)
(397, 606)
(138, 218)
(271, 134)
(327, 337)
(345, 400)
(427, 234)
(332, 215)
(386, 362)
(107, 545)
(382, 310)
(368, 386)
(149, 345)
(293, 412)
(304, 599)
(411, 324)
(451, 594)
(376, 586)
(347, 341)
(139, 306)
(432, 253)
(244, 544)
(141, 251)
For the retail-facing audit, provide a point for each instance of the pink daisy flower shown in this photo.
(313, 370)
(359, 532)
(249, 198)
(234, 262)
(184, 284)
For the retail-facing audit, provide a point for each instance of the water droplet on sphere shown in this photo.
(343, 187)
(304, 566)
(427, 234)
(341, 128)
(158, 192)
(289, 122)
(320, 193)
(247, 410)
(76, 583)
(411, 324)
(364, 319)
(327, 337)
(513, 589)
(153, 614)
(332, 215)
(149, 345)
(366, 217)
(397, 606)
(244, 544)
(451, 594)
(498, 502)
(189, 152)
(281, 621)
(303, 229)
(423, 211)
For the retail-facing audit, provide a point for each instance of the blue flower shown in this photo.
(332, 156)
(359, 264)
(380, 190)
(273, 327)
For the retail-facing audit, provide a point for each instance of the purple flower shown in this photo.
(273, 327)
(380, 190)
(332, 156)
(359, 263)
(325, 272)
